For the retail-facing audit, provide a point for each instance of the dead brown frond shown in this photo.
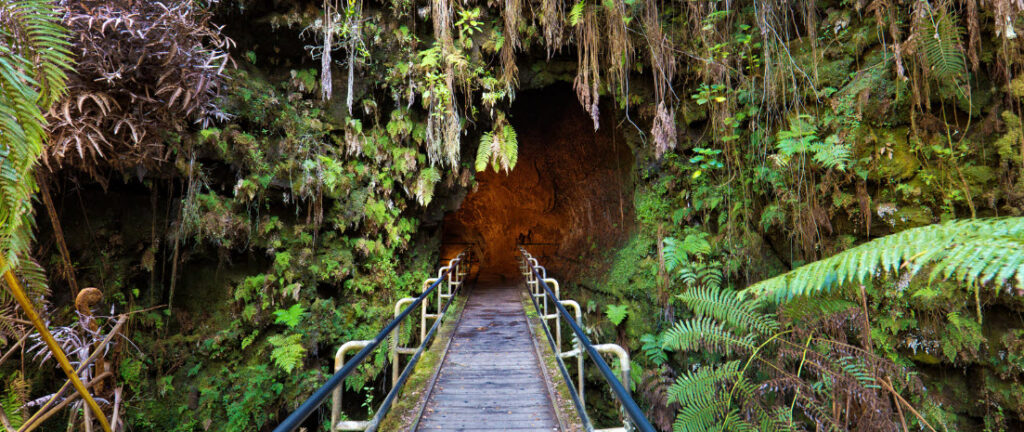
(588, 70)
(143, 69)
(552, 22)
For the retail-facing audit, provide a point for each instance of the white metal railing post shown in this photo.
(395, 349)
(556, 316)
(577, 348)
(339, 362)
(423, 310)
(624, 366)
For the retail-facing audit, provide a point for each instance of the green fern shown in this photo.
(33, 57)
(942, 46)
(982, 251)
(288, 351)
(705, 332)
(498, 149)
(802, 139)
(677, 253)
(617, 313)
(653, 349)
(576, 13)
(425, 182)
(14, 398)
(727, 307)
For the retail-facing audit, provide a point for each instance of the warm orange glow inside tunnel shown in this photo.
(569, 197)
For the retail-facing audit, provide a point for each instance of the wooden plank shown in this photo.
(490, 379)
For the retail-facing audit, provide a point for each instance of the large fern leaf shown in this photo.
(984, 251)
(942, 47)
(705, 332)
(33, 57)
(726, 306)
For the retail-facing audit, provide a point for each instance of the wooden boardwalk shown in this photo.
(491, 378)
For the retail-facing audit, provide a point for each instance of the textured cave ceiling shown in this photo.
(570, 193)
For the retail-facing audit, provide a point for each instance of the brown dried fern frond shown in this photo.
(143, 69)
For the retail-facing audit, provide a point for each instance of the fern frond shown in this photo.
(942, 46)
(987, 251)
(697, 386)
(483, 152)
(727, 307)
(704, 332)
(33, 57)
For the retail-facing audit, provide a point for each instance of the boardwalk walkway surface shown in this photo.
(491, 378)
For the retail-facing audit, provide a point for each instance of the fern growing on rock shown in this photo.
(780, 373)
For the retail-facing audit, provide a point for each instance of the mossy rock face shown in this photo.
(826, 68)
(925, 358)
(897, 218)
(692, 112)
(889, 151)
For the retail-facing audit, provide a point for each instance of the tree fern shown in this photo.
(705, 332)
(727, 307)
(33, 57)
(983, 251)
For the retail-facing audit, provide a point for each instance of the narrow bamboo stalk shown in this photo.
(26, 305)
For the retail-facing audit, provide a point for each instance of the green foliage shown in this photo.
(653, 349)
(678, 253)
(801, 139)
(498, 148)
(616, 313)
(975, 251)
(941, 44)
(34, 56)
(290, 317)
(288, 351)
(766, 375)
(1009, 145)
(576, 13)
(726, 307)
(14, 398)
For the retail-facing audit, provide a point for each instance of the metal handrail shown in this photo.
(639, 421)
(318, 397)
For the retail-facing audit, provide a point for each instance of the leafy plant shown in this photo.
(653, 349)
(290, 317)
(498, 148)
(616, 313)
(288, 351)
(940, 39)
(801, 139)
(775, 375)
(974, 251)
(33, 59)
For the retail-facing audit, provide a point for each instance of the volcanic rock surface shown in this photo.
(569, 197)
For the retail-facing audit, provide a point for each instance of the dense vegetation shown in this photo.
(253, 182)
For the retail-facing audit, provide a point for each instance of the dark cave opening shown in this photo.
(569, 197)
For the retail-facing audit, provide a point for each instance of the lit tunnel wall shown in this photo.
(570, 193)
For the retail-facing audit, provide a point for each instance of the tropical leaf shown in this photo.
(983, 251)
(616, 313)
(33, 59)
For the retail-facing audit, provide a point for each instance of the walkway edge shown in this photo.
(557, 393)
(404, 412)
